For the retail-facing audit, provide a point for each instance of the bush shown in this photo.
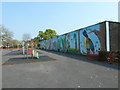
(104, 55)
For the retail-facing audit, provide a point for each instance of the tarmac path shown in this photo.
(56, 70)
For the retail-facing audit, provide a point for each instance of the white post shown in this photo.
(23, 48)
(37, 54)
(107, 36)
(27, 50)
(33, 53)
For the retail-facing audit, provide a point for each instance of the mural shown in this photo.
(61, 43)
(48, 44)
(72, 41)
(42, 44)
(54, 44)
(89, 42)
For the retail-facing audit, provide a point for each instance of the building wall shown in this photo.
(54, 44)
(118, 36)
(43, 44)
(102, 35)
(114, 36)
(48, 44)
(90, 40)
(61, 43)
(72, 42)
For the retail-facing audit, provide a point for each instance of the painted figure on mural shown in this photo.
(89, 40)
(75, 38)
(54, 44)
(88, 43)
(68, 41)
(58, 44)
(61, 43)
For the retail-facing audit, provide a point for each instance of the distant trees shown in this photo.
(5, 33)
(6, 37)
(49, 33)
(26, 37)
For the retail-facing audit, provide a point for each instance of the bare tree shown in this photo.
(26, 37)
(5, 34)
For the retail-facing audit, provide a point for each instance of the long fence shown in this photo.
(88, 40)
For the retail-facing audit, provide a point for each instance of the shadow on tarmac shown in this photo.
(25, 60)
(83, 58)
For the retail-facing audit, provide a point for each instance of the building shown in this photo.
(91, 39)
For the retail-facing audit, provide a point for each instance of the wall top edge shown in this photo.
(87, 27)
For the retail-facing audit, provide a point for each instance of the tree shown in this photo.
(5, 36)
(5, 33)
(40, 35)
(36, 41)
(49, 33)
(26, 36)
(26, 39)
(15, 43)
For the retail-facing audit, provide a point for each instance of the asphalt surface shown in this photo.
(56, 70)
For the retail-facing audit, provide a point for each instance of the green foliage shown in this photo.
(36, 40)
(104, 51)
(103, 54)
(49, 33)
(73, 50)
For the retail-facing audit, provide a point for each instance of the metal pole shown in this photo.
(27, 51)
(23, 48)
(107, 36)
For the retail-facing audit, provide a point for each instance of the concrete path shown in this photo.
(57, 70)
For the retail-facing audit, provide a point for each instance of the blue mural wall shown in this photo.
(72, 41)
(48, 44)
(61, 43)
(54, 44)
(43, 44)
(89, 41)
(86, 43)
